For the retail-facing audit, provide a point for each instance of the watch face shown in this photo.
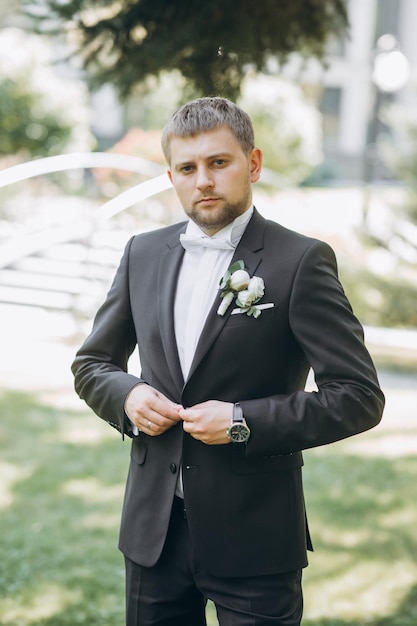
(239, 433)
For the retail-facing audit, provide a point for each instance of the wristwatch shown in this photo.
(238, 431)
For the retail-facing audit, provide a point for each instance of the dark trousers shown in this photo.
(174, 592)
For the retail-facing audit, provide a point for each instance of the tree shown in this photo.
(287, 126)
(27, 128)
(211, 43)
(35, 117)
(387, 295)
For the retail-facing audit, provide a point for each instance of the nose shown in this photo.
(204, 179)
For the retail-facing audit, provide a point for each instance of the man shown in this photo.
(214, 504)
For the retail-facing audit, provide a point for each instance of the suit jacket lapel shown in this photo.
(249, 250)
(167, 283)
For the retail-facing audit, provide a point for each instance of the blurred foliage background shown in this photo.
(79, 77)
(60, 61)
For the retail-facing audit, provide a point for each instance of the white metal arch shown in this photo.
(158, 182)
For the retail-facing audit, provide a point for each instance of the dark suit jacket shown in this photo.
(245, 504)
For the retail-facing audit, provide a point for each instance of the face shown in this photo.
(213, 177)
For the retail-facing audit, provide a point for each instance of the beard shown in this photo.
(216, 219)
(211, 220)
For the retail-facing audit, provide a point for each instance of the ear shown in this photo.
(170, 176)
(255, 162)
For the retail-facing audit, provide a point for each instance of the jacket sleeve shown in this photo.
(348, 399)
(100, 366)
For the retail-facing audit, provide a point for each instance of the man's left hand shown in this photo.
(208, 422)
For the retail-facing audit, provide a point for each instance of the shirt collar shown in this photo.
(232, 232)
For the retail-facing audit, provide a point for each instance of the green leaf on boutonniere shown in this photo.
(238, 265)
(253, 311)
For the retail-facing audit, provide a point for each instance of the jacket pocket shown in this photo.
(138, 451)
(243, 319)
(265, 464)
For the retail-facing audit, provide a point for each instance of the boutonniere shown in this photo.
(236, 283)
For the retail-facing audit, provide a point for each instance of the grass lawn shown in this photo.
(61, 489)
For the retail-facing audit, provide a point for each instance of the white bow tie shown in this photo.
(190, 242)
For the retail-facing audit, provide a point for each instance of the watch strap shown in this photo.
(237, 414)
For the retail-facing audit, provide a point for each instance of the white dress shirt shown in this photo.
(198, 284)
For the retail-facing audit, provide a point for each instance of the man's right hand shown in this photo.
(151, 411)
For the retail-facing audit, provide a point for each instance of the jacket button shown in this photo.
(173, 468)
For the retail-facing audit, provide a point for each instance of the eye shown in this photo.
(219, 162)
(186, 169)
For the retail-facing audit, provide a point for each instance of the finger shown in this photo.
(160, 405)
(152, 429)
(157, 420)
(156, 409)
(189, 415)
(154, 421)
(148, 427)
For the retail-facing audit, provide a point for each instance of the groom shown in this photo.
(214, 505)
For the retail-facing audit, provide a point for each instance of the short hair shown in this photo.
(205, 114)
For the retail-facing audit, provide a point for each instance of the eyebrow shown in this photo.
(211, 157)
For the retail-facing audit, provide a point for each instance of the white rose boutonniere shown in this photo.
(236, 283)
(253, 292)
